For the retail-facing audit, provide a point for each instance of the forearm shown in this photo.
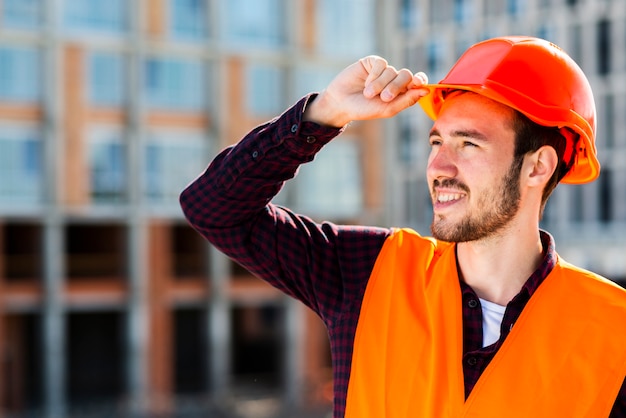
(242, 179)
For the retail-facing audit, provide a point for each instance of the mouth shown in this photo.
(443, 199)
(447, 197)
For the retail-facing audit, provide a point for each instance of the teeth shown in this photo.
(443, 198)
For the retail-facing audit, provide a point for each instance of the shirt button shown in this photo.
(472, 303)
(311, 139)
(255, 154)
(472, 361)
(294, 128)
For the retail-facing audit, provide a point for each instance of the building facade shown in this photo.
(109, 302)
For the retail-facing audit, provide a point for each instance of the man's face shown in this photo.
(474, 182)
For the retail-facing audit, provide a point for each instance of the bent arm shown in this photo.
(229, 204)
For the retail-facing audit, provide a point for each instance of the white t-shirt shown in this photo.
(492, 320)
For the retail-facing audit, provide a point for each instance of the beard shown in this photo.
(497, 208)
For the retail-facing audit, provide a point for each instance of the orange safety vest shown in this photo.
(564, 357)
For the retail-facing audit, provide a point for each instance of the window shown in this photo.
(107, 167)
(20, 165)
(102, 16)
(606, 202)
(408, 140)
(21, 14)
(258, 333)
(254, 22)
(265, 89)
(175, 84)
(19, 74)
(20, 246)
(603, 47)
(172, 160)
(332, 187)
(106, 79)
(95, 251)
(516, 8)
(436, 59)
(407, 14)
(94, 346)
(188, 19)
(347, 27)
(463, 11)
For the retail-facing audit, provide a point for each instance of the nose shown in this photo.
(441, 163)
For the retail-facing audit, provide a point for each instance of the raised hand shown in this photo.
(368, 89)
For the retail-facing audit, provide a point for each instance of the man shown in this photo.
(484, 319)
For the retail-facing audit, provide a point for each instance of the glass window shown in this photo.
(606, 195)
(346, 27)
(603, 49)
(265, 89)
(409, 14)
(254, 22)
(107, 166)
(22, 14)
(104, 16)
(332, 187)
(463, 11)
(188, 19)
(19, 74)
(516, 8)
(106, 79)
(20, 165)
(175, 84)
(172, 160)
(436, 59)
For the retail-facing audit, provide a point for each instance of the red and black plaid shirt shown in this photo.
(326, 266)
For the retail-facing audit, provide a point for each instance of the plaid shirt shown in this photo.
(326, 266)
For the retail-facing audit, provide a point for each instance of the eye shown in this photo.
(435, 142)
(469, 144)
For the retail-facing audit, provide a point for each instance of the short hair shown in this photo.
(530, 136)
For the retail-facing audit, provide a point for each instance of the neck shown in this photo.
(498, 266)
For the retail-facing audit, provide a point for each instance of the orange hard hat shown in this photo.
(536, 78)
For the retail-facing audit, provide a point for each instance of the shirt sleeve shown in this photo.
(324, 265)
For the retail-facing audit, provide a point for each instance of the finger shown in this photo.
(399, 84)
(387, 82)
(404, 101)
(374, 66)
(419, 79)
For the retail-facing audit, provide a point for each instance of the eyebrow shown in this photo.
(464, 133)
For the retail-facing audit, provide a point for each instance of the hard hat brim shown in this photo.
(586, 167)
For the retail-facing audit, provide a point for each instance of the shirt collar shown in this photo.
(532, 284)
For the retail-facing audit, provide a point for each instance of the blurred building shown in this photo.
(109, 302)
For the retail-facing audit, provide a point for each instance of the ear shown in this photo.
(540, 165)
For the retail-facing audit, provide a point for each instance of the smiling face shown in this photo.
(473, 177)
